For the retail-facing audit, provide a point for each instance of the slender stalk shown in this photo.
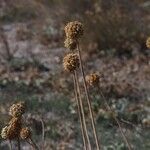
(80, 113)
(6, 44)
(88, 99)
(33, 144)
(82, 110)
(10, 145)
(18, 143)
(30, 144)
(115, 118)
(43, 133)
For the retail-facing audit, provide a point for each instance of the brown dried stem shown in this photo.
(81, 112)
(88, 99)
(10, 145)
(18, 143)
(115, 118)
(32, 143)
(43, 133)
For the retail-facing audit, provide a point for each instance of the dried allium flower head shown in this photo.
(71, 62)
(16, 110)
(148, 42)
(12, 130)
(92, 79)
(70, 43)
(25, 133)
(4, 132)
(74, 30)
(14, 127)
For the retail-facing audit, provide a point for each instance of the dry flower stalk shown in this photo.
(74, 31)
(81, 107)
(93, 80)
(14, 129)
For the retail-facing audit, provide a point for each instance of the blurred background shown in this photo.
(31, 53)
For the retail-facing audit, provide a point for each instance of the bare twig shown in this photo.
(88, 100)
(115, 118)
(82, 109)
(33, 144)
(18, 143)
(80, 114)
(10, 145)
(43, 134)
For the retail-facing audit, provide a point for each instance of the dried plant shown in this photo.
(71, 62)
(74, 31)
(14, 130)
(93, 80)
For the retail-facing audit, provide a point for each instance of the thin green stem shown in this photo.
(88, 99)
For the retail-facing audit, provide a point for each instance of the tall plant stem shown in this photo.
(33, 144)
(80, 105)
(88, 99)
(115, 118)
(10, 145)
(18, 143)
(43, 134)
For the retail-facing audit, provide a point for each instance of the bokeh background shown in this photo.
(31, 53)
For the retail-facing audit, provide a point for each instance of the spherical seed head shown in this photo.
(25, 133)
(70, 43)
(16, 110)
(74, 30)
(71, 62)
(92, 79)
(4, 132)
(148, 42)
(14, 128)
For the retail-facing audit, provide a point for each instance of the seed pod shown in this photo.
(12, 130)
(71, 62)
(4, 132)
(71, 44)
(148, 42)
(25, 133)
(74, 30)
(92, 79)
(16, 110)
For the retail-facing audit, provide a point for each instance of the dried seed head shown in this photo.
(12, 130)
(92, 79)
(16, 110)
(4, 132)
(74, 30)
(148, 42)
(25, 133)
(71, 62)
(70, 43)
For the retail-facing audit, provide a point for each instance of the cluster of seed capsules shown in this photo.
(14, 129)
(74, 31)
